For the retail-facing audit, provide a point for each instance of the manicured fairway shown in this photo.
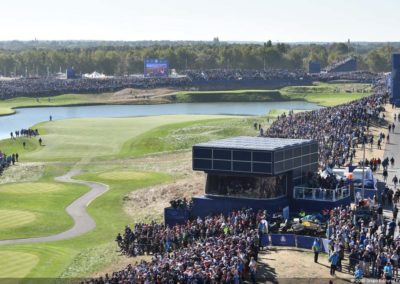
(36, 208)
(326, 94)
(32, 188)
(74, 139)
(15, 218)
(124, 175)
(15, 264)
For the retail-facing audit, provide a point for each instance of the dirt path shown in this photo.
(83, 222)
(291, 265)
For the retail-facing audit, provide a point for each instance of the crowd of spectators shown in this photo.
(338, 129)
(245, 74)
(338, 64)
(216, 249)
(39, 87)
(371, 245)
(51, 86)
(7, 160)
(181, 204)
(357, 76)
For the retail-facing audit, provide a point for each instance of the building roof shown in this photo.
(254, 143)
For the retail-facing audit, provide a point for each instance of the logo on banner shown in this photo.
(283, 239)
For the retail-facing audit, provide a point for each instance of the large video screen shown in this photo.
(155, 68)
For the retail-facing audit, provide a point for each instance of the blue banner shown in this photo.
(283, 240)
(306, 242)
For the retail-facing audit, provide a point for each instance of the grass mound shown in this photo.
(124, 175)
(181, 136)
(15, 218)
(10, 146)
(31, 187)
(228, 96)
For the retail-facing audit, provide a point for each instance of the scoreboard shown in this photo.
(156, 67)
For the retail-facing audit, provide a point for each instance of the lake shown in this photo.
(27, 117)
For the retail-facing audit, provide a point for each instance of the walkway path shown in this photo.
(392, 149)
(83, 222)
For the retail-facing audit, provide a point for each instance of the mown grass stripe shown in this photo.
(15, 264)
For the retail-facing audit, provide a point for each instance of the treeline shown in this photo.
(128, 59)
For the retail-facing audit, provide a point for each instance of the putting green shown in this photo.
(125, 175)
(15, 264)
(31, 187)
(15, 218)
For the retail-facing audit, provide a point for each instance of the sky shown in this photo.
(233, 20)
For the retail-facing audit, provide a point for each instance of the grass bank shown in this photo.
(228, 96)
(8, 107)
(324, 94)
(327, 94)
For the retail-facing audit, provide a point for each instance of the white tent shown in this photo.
(94, 75)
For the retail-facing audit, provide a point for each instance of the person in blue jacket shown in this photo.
(333, 259)
(358, 273)
(316, 249)
(388, 272)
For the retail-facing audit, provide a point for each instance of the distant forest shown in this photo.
(122, 58)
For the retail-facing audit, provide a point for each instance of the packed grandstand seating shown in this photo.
(39, 87)
(348, 64)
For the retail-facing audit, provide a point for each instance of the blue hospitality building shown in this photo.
(257, 172)
(314, 67)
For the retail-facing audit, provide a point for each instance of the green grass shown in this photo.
(42, 204)
(228, 96)
(74, 139)
(16, 145)
(7, 106)
(183, 135)
(91, 252)
(16, 264)
(326, 94)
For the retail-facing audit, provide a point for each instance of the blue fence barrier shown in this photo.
(303, 242)
(287, 240)
(306, 242)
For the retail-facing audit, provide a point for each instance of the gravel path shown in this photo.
(83, 222)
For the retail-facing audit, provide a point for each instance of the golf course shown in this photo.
(324, 94)
(125, 154)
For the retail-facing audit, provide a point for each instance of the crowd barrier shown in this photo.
(298, 241)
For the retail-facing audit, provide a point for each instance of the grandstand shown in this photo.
(348, 64)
